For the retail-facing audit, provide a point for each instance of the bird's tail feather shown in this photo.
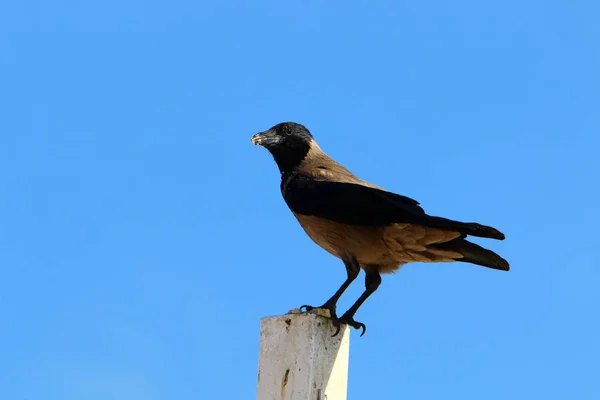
(466, 228)
(474, 229)
(475, 254)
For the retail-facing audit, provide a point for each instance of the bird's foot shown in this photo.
(337, 322)
(347, 320)
(325, 306)
(306, 308)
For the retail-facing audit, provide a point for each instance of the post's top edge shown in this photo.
(319, 312)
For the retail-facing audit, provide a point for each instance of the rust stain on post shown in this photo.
(284, 383)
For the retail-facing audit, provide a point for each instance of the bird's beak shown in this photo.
(266, 138)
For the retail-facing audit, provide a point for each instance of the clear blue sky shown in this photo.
(142, 235)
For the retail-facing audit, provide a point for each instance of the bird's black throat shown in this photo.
(289, 156)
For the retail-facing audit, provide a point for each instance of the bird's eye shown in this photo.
(288, 132)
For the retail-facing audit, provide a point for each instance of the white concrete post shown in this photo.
(299, 359)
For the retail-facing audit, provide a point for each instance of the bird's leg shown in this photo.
(352, 269)
(372, 282)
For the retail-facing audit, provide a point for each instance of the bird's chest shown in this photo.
(343, 240)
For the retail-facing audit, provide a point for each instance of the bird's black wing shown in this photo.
(356, 204)
(349, 203)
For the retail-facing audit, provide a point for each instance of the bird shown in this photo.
(364, 225)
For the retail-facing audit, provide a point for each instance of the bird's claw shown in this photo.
(325, 306)
(307, 308)
(337, 322)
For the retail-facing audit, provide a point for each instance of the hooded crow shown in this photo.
(364, 225)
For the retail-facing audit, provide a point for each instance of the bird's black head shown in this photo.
(288, 142)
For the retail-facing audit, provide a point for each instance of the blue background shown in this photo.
(142, 236)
